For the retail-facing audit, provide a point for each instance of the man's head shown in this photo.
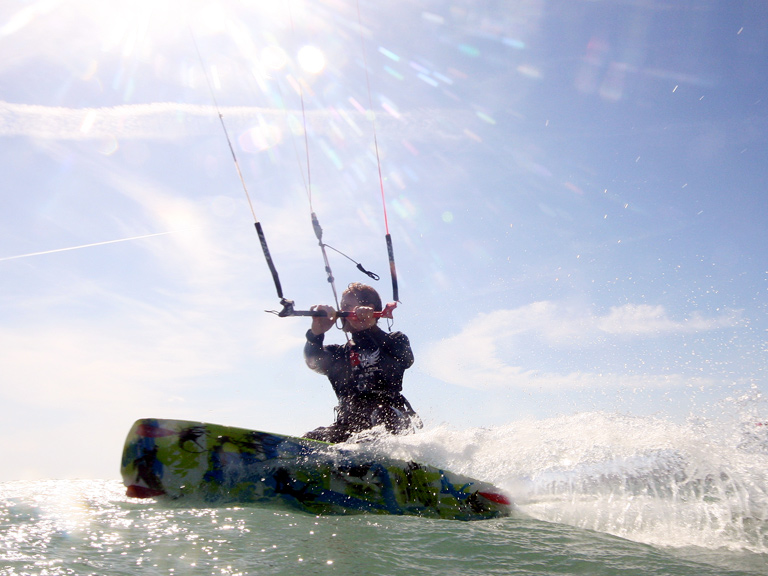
(359, 295)
(364, 294)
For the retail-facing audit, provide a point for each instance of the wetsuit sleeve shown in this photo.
(317, 357)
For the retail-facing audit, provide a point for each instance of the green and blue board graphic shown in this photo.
(174, 459)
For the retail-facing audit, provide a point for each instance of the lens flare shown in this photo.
(274, 57)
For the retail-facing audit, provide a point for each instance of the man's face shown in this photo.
(350, 303)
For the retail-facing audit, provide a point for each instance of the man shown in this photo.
(366, 373)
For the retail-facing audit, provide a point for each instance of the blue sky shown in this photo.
(575, 192)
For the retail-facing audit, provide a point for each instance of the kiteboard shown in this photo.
(214, 464)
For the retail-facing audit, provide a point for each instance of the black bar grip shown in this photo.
(268, 257)
(392, 269)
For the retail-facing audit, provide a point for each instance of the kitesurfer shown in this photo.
(366, 373)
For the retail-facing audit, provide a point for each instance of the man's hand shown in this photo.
(362, 318)
(321, 324)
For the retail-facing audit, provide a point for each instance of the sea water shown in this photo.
(595, 494)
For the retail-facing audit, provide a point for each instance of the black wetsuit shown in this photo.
(367, 376)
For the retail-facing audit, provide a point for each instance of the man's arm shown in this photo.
(317, 357)
(398, 347)
(315, 354)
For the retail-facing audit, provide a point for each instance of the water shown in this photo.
(596, 494)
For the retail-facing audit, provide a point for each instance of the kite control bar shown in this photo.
(288, 310)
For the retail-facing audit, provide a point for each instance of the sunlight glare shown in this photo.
(25, 16)
(260, 138)
(311, 59)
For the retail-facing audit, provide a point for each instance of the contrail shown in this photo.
(84, 246)
(168, 120)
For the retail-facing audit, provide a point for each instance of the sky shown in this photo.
(575, 192)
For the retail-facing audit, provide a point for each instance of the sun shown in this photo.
(311, 59)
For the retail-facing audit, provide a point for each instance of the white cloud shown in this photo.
(644, 319)
(136, 350)
(474, 357)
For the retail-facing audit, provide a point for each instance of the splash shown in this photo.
(703, 483)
